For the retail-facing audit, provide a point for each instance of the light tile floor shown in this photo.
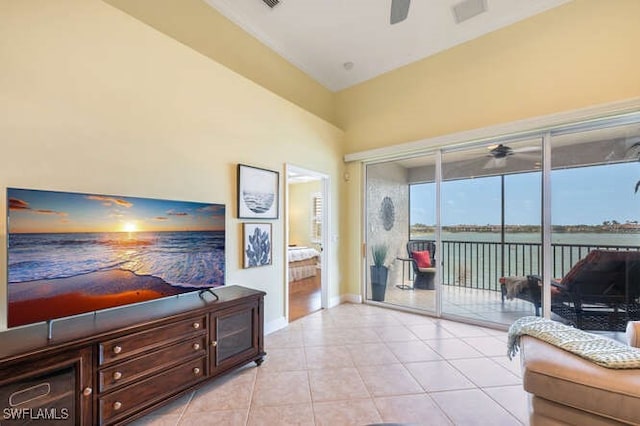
(362, 364)
(470, 303)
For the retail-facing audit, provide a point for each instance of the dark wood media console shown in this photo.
(115, 366)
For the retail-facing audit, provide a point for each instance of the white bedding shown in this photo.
(302, 253)
(303, 263)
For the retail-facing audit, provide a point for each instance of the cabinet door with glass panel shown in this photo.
(236, 334)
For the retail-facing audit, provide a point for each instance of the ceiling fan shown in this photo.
(491, 160)
(399, 10)
(498, 154)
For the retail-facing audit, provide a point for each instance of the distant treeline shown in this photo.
(607, 227)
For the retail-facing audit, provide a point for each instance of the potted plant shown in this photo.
(379, 272)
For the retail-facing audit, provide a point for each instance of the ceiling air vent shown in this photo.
(271, 3)
(467, 9)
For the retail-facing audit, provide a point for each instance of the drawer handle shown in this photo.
(196, 346)
(117, 375)
(196, 325)
(117, 349)
(87, 391)
(117, 405)
(214, 343)
(196, 371)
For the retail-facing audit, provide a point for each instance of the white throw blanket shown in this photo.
(597, 349)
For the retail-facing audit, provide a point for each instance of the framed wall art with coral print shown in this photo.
(257, 193)
(257, 244)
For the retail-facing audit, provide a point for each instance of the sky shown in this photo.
(583, 195)
(32, 211)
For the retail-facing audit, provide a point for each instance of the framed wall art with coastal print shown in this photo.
(257, 193)
(257, 244)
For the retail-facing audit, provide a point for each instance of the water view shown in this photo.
(479, 259)
(578, 238)
(179, 258)
(71, 253)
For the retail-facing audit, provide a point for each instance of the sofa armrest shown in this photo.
(633, 333)
(553, 374)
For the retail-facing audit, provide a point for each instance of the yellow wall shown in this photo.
(200, 26)
(91, 100)
(580, 54)
(300, 209)
(351, 215)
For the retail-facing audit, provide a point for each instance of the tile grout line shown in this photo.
(425, 392)
(500, 404)
(186, 407)
(253, 390)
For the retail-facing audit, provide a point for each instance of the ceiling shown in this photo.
(321, 36)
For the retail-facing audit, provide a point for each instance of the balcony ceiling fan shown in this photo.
(498, 155)
(399, 10)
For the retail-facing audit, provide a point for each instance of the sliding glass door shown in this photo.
(492, 230)
(540, 224)
(595, 209)
(400, 220)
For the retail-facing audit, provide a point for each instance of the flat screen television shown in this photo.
(72, 253)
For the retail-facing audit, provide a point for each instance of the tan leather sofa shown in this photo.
(568, 390)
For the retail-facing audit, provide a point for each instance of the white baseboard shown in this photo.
(275, 325)
(346, 298)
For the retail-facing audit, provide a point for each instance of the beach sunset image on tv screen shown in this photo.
(71, 253)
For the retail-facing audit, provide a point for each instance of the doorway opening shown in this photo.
(306, 241)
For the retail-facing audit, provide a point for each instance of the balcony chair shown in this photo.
(422, 255)
(600, 292)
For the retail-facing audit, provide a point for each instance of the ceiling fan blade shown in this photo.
(535, 148)
(399, 10)
(633, 152)
(495, 163)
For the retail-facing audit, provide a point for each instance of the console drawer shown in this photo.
(137, 368)
(126, 400)
(134, 344)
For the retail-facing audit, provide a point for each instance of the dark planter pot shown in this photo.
(378, 282)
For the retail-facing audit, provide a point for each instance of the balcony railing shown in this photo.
(480, 264)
